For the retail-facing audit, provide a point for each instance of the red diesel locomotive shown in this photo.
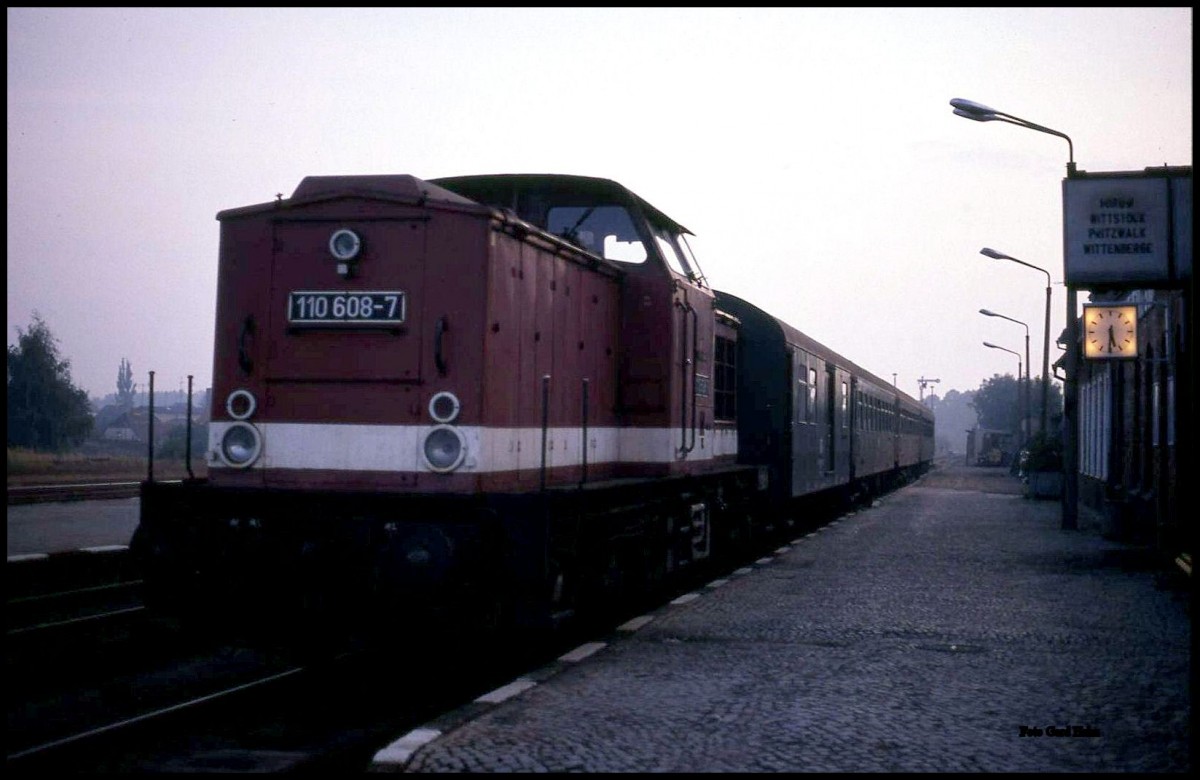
(512, 395)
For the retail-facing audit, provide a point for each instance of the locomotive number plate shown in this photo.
(346, 308)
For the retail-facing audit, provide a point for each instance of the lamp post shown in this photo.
(1027, 422)
(1070, 517)
(1045, 334)
(1018, 354)
(981, 113)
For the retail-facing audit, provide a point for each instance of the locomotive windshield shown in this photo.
(675, 250)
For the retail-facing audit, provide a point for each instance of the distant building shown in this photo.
(131, 425)
(116, 423)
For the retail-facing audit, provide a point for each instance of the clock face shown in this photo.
(1109, 331)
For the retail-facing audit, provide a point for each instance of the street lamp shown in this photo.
(1018, 354)
(1025, 418)
(1070, 514)
(981, 113)
(1045, 334)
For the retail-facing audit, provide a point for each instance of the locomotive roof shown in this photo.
(505, 190)
(400, 187)
(502, 191)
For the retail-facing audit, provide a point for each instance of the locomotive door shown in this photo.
(805, 454)
(896, 432)
(337, 343)
(693, 363)
(852, 425)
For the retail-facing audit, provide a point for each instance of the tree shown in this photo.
(45, 409)
(954, 417)
(997, 403)
(126, 388)
(174, 444)
(1054, 400)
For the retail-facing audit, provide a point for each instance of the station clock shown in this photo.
(1109, 331)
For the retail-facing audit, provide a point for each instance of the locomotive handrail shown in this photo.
(150, 433)
(243, 358)
(684, 307)
(545, 426)
(583, 473)
(439, 329)
(187, 450)
(695, 360)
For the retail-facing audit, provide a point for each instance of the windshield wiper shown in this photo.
(572, 233)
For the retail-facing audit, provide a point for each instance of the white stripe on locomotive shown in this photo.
(397, 448)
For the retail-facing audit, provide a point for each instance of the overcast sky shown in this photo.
(813, 152)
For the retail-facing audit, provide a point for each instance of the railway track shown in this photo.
(181, 704)
(60, 608)
(84, 491)
(66, 749)
(123, 692)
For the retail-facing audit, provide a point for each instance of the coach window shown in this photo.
(801, 390)
(845, 403)
(724, 383)
(812, 394)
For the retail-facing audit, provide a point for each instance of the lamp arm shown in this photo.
(1015, 120)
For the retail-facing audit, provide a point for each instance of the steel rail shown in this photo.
(86, 491)
(72, 621)
(149, 716)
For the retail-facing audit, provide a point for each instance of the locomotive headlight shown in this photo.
(241, 445)
(444, 448)
(344, 245)
(444, 407)
(240, 404)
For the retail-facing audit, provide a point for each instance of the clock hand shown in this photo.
(1112, 341)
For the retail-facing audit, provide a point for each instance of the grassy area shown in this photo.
(26, 467)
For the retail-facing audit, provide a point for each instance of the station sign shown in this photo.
(1124, 230)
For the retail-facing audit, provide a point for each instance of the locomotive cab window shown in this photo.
(689, 258)
(678, 254)
(605, 230)
(670, 254)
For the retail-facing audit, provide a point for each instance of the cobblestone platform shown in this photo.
(950, 627)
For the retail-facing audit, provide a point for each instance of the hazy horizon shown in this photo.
(813, 152)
